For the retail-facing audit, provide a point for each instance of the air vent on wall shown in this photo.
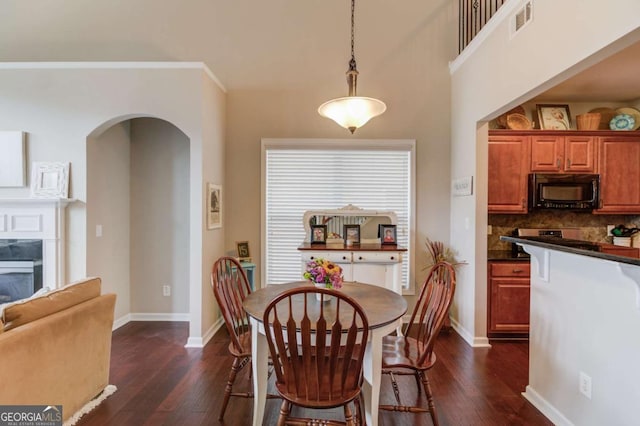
(521, 18)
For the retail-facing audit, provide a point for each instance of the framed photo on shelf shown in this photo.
(554, 116)
(318, 234)
(351, 234)
(214, 206)
(242, 248)
(49, 180)
(387, 234)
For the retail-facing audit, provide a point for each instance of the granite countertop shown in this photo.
(585, 248)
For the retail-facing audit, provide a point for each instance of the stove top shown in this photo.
(570, 233)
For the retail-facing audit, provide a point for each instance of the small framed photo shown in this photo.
(49, 180)
(387, 234)
(554, 117)
(214, 206)
(318, 234)
(351, 234)
(243, 251)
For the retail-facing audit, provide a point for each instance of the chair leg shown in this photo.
(427, 390)
(285, 409)
(348, 415)
(227, 391)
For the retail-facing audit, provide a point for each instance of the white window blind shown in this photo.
(302, 176)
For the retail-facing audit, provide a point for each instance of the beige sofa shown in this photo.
(55, 349)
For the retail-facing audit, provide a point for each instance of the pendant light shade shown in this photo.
(352, 112)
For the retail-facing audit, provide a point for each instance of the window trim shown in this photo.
(408, 145)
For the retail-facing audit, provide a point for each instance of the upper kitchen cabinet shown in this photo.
(619, 169)
(509, 159)
(562, 154)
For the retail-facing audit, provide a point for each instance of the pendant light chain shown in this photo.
(352, 62)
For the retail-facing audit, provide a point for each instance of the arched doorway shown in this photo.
(137, 217)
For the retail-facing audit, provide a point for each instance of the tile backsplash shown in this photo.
(594, 227)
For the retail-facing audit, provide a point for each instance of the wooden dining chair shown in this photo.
(323, 369)
(231, 287)
(412, 354)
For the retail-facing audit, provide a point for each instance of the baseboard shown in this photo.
(474, 342)
(160, 317)
(545, 407)
(125, 319)
(199, 342)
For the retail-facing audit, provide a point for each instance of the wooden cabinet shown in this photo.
(509, 158)
(508, 299)
(620, 250)
(619, 169)
(563, 154)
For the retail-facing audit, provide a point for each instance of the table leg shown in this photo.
(372, 369)
(260, 365)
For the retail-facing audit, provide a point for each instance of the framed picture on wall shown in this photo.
(214, 206)
(351, 234)
(49, 180)
(243, 251)
(318, 234)
(387, 234)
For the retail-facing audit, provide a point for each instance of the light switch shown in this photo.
(98, 230)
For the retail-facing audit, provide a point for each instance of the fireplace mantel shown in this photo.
(39, 219)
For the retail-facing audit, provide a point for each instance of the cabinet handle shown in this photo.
(360, 258)
(568, 162)
(601, 203)
(344, 257)
(558, 164)
(311, 257)
(517, 271)
(523, 204)
(392, 258)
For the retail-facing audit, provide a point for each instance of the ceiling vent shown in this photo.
(521, 18)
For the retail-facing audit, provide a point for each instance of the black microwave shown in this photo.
(563, 191)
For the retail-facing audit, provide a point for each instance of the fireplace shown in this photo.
(32, 246)
(20, 269)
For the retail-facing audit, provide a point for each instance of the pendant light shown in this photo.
(352, 112)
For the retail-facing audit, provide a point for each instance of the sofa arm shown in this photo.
(61, 359)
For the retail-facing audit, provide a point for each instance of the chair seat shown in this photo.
(245, 342)
(403, 352)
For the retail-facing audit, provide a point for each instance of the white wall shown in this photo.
(159, 217)
(585, 319)
(61, 105)
(108, 181)
(497, 73)
(416, 91)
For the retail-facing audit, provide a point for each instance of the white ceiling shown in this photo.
(261, 44)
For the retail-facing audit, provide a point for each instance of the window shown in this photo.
(311, 174)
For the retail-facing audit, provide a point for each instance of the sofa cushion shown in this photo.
(28, 310)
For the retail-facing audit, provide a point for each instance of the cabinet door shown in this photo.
(547, 153)
(509, 310)
(371, 273)
(618, 165)
(580, 154)
(509, 158)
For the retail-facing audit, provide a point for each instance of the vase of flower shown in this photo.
(327, 298)
(323, 274)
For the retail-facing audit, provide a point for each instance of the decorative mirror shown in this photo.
(336, 219)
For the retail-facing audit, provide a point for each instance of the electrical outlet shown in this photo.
(98, 231)
(489, 230)
(609, 228)
(166, 290)
(584, 386)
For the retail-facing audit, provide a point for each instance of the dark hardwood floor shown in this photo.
(162, 383)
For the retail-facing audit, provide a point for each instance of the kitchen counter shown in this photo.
(507, 255)
(585, 248)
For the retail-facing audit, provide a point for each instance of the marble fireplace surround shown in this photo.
(39, 219)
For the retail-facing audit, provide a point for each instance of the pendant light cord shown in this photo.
(352, 62)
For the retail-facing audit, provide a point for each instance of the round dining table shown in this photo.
(384, 309)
